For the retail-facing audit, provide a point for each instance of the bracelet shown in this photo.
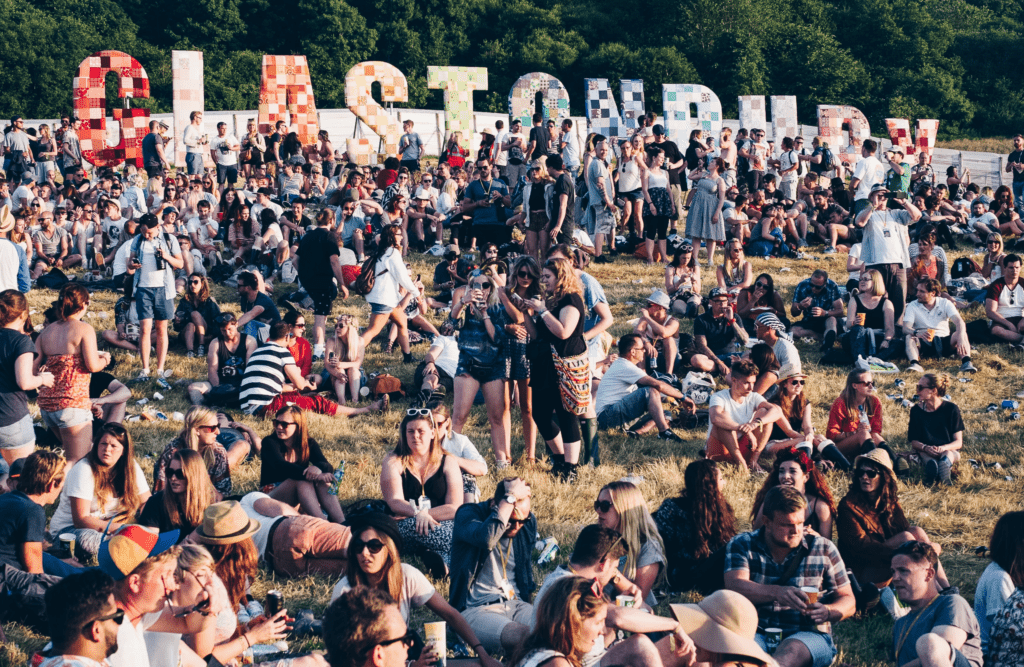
(248, 644)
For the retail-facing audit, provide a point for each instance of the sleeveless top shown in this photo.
(684, 283)
(231, 365)
(435, 488)
(734, 279)
(629, 177)
(874, 317)
(538, 657)
(657, 180)
(70, 384)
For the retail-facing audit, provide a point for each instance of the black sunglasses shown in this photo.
(797, 382)
(373, 545)
(603, 506)
(866, 472)
(176, 473)
(523, 274)
(117, 617)
(409, 638)
(283, 424)
(761, 285)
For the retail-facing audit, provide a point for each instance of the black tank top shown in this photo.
(436, 487)
(231, 365)
(875, 317)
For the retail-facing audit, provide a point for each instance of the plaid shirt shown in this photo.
(822, 568)
(823, 299)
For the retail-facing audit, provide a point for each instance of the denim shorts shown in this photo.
(630, 407)
(152, 305)
(66, 418)
(819, 645)
(19, 434)
(380, 309)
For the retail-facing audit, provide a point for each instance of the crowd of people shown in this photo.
(523, 325)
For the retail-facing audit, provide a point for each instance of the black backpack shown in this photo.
(828, 161)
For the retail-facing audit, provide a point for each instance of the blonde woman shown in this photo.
(449, 203)
(44, 149)
(621, 507)
(629, 180)
(870, 314)
(536, 200)
(992, 269)
(344, 354)
(735, 272)
(200, 435)
(19, 235)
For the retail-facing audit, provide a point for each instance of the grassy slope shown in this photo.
(959, 518)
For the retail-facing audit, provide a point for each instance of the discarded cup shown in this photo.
(177, 416)
(157, 396)
(142, 401)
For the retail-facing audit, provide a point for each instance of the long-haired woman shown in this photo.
(17, 434)
(523, 285)
(794, 468)
(196, 315)
(682, 281)
(103, 491)
(658, 205)
(992, 268)
(200, 433)
(294, 469)
(568, 621)
(855, 419)
(536, 198)
(705, 221)
(796, 427)
(621, 506)
(180, 505)
(67, 349)
(735, 273)
(559, 331)
(375, 560)
(45, 151)
(629, 185)
(870, 315)
(241, 235)
(996, 604)
(423, 486)
(695, 527)
(759, 297)
(936, 429)
(344, 358)
(461, 448)
(391, 275)
(482, 364)
(763, 356)
(300, 348)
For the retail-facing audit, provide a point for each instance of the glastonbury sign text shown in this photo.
(286, 93)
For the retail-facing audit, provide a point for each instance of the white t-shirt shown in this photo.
(131, 642)
(988, 218)
(501, 157)
(522, 144)
(788, 357)
(259, 538)
(120, 263)
(885, 238)
(459, 445)
(21, 197)
(416, 590)
(870, 172)
(740, 412)
(81, 484)
(257, 208)
(202, 229)
(618, 382)
(571, 152)
(786, 161)
(225, 158)
(112, 230)
(917, 317)
(448, 359)
(993, 590)
(1011, 307)
(855, 253)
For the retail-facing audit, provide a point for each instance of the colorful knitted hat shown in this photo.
(129, 546)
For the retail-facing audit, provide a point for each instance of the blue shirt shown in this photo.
(475, 191)
(593, 294)
(823, 299)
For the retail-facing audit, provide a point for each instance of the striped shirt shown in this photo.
(264, 376)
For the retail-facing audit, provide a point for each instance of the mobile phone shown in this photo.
(330, 357)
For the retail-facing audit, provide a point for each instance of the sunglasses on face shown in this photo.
(761, 285)
(481, 285)
(867, 472)
(373, 545)
(196, 282)
(176, 473)
(280, 423)
(408, 639)
(799, 383)
(603, 506)
(117, 617)
(215, 428)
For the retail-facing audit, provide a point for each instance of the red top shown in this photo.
(302, 351)
(841, 421)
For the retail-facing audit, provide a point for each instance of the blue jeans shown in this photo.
(195, 163)
(862, 341)
(629, 408)
(1018, 194)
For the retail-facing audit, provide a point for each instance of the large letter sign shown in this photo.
(188, 92)
(458, 84)
(524, 93)
(831, 119)
(393, 88)
(676, 100)
(752, 112)
(90, 104)
(602, 114)
(899, 135)
(286, 86)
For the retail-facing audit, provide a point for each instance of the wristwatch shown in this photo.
(510, 499)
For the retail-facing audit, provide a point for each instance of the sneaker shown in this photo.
(915, 368)
(901, 466)
(190, 355)
(892, 605)
(968, 367)
(317, 358)
(143, 375)
(201, 352)
(163, 384)
(669, 434)
(829, 250)
(931, 471)
(944, 468)
(1017, 347)
(801, 243)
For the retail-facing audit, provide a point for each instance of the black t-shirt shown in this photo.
(574, 344)
(150, 157)
(303, 223)
(541, 136)
(564, 186)
(154, 515)
(270, 315)
(99, 383)
(672, 154)
(21, 521)
(537, 196)
(315, 251)
(442, 276)
(692, 159)
(824, 214)
(13, 402)
(1016, 156)
(935, 428)
(716, 332)
(274, 140)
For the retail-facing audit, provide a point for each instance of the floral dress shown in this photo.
(1006, 638)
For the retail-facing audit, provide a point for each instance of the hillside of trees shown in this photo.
(955, 60)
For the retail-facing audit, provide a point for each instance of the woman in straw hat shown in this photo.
(723, 626)
(872, 524)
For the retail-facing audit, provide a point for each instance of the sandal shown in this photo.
(385, 403)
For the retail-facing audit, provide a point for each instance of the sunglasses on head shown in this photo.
(417, 412)
(373, 545)
(603, 506)
(866, 472)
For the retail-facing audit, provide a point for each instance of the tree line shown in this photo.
(955, 60)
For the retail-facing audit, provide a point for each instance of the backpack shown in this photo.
(963, 267)
(828, 161)
(367, 276)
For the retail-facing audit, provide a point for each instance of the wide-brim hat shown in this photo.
(659, 298)
(6, 219)
(724, 622)
(877, 456)
(226, 523)
(784, 377)
(489, 130)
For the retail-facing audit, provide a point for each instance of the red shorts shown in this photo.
(317, 404)
(716, 451)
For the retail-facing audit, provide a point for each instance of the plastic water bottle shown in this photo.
(863, 415)
(549, 552)
(339, 473)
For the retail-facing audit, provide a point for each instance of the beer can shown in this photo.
(1014, 416)
(142, 401)
(772, 637)
(899, 383)
(274, 603)
(1010, 404)
(625, 601)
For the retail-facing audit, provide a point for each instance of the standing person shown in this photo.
(540, 139)
(601, 192)
(569, 145)
(318, 259)
(515, 146)
(500, 153)
(485, 198)
(940, 630)
(675, 162)
(17, 435)
(562, 208)
(253, 146)
(755, 151)
(17, 150)
(936, 430)
(536, 202)
(868, 173)
(391, 275)
(67, 350)
(194, 140)
(1015, 166)
(410, 148)
(153, 158)
(728, 155)
(71, 149)
(886, 245)
(658, 207)
(559, 328)
(705, 221)
(154, 256)
(224, 151)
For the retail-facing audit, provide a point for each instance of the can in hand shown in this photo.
(274, 603)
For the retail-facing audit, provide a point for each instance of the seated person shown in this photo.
(763, 357)
(436, 373)
(196, 316)
(225, 365)
(928, 259)
(817, 299)
(450, 272)
(793, 468)
(722, 643)
(715, 334)
(996, 584)
(795, 429)
(740, 420)
(659, 329)
(854, 266)
(621, 506)
(23, 511)
(871, 523)
(855, 418)
(298, 346)
(936, 430)
(756, 566)
(626, 393)
(982, 223)
(1004, 304)
(460, 448)
(772, 331)
(200, 433)
(594, 558)
(695, 526)
(759, 298)
(344, 360)
(259, 312)
(111, 407)
(926, 328)
(489, 587)
(375, 561)
(126, 331)
(184, 498)
(870, 316)
(203, 229)
(423, 485)
(941, 629)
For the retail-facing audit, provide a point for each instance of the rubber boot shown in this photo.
(589, 453)
(831, 453)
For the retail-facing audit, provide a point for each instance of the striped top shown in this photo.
(264, 376)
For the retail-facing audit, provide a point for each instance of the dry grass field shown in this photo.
(960, 518)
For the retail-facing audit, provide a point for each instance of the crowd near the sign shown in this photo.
(136, 571)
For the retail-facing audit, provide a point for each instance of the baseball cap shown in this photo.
(658, 130)
(718, 291)
(130, 546)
